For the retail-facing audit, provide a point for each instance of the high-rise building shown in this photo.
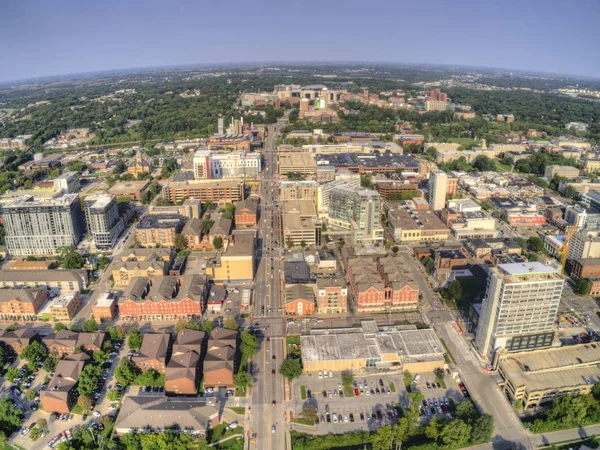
(202, 164)
(220, 126)
(38, 226)
(583, 245)
(103, 221)
(519, 307)
(438, 182)
(358, 210)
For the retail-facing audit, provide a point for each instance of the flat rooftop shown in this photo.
(554, 368)
(370, 342)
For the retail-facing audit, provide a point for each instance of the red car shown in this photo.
(356, 392)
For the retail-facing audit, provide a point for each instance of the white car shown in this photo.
(330, 374)
(320, 374)
(96, 414)
(335, 419)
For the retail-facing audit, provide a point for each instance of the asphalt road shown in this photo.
(267, 401)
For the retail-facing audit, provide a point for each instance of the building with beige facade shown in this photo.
(63, 308)
(236, 264)
(55, 281)
(537, 377)
(303, 163)
(371, 348)
(299, 223)
(216, 191)
(407, 224)
(298, 190)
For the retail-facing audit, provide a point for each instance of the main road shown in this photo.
(266, 412)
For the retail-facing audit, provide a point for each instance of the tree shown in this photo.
(90, 326)
(583, 287)
(248, 343)
(11, 328)
(303, 244)
(383, 438)
(135, 338)
(31, 394)
(395, 249)
(12, 373)
(433, 428)
(85, 402)
(466, 411)
(50, 364)
(208, 327)
(217, 242)
(570, 192)
(487, 205)
(103, 262)
(116, 333)
(148, 377)
(58, 326)
(113, 395)
(455, 290)
(456, 433)
(484, 164)
(10, 418)
(34, 353)
(180, 242)
(309, 412)
(126, 372)
(230, 324)
(88, 379)
(483, 428)
(242, 380)
(120, 167)
(100, 356)
(535, 244)
(291, 368)
(68, 258)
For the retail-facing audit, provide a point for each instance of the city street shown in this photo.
(267, 401)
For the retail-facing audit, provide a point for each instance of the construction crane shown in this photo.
(564, 249)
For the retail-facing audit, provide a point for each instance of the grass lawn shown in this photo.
(303, 421)
(293, 340)
(303, 392)
(77, 409)
(348, 391)
(465, 142)
(447, 356)
(238, 410)
(502, 167)
(392, 386)
(440, 379)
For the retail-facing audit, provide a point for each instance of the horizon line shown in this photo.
(79, 75)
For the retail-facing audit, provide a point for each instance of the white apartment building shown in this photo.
(519, 307)
(226, 165)
(438, 184)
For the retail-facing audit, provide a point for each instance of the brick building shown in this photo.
(164, 298)
(106, 308)
(299, 300)
(154, 353)
(246, 212)
(21, 304)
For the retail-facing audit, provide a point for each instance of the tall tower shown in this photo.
(438, 185)
(221, 126)
(519, 307)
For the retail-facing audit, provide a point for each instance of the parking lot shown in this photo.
(372, 402)
(439, 397)
(60, 426)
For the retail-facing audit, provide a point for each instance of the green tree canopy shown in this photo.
(291, 368)
(88, 380)
(89, 326)
(135, 338)
(34, 353)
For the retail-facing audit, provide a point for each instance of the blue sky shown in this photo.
(49, 37)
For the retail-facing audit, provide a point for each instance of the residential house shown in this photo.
(182, 373)
(61, 393)
(220, 358)
(18, 339)
(246, 213)
(154, 352)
